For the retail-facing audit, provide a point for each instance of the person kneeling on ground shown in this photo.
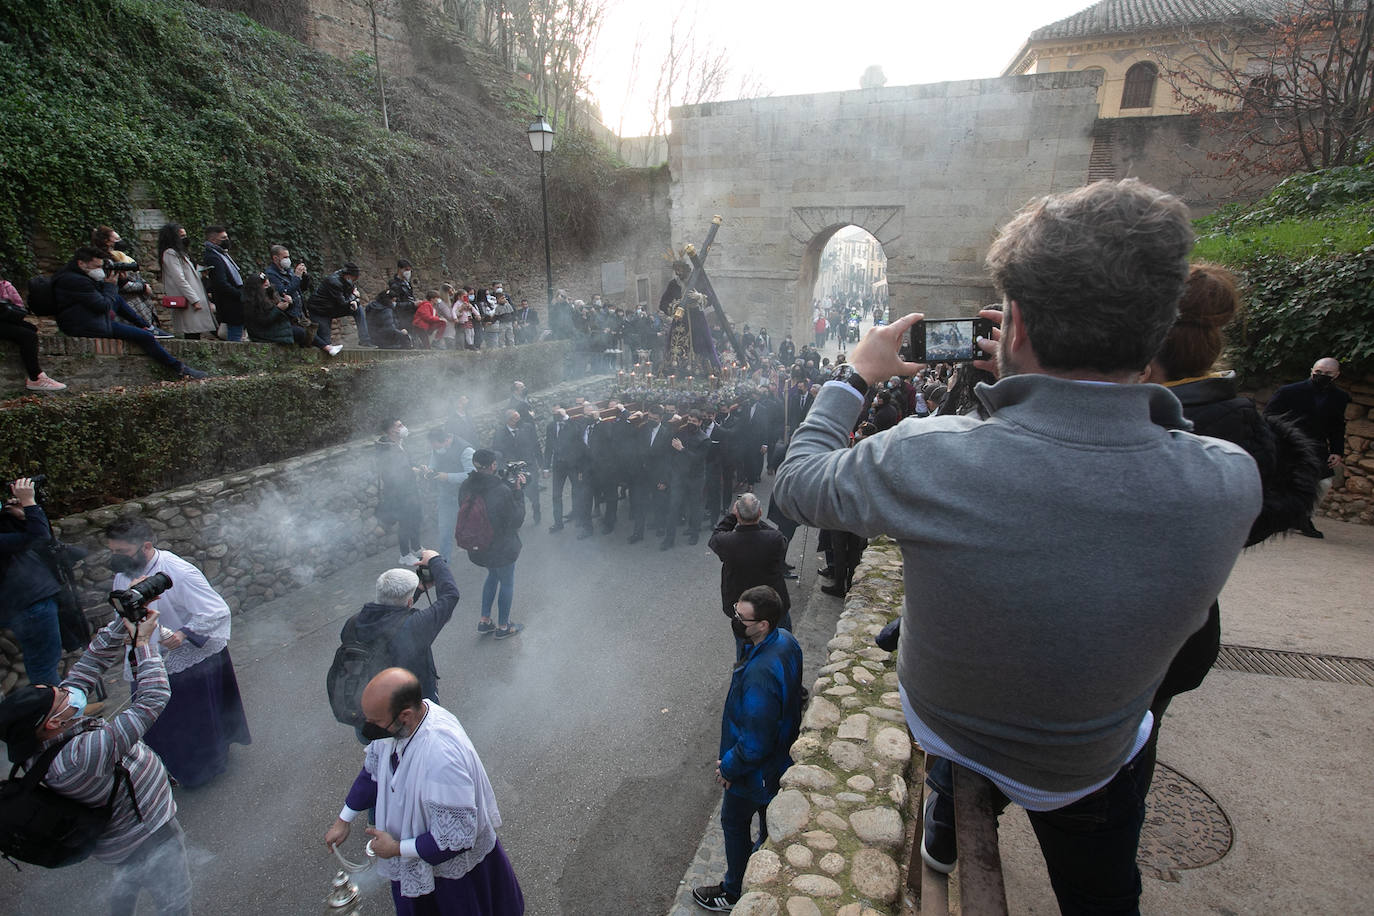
(381, 323)
(265, 313)
(86, 303)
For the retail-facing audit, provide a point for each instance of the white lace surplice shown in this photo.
(439, 787)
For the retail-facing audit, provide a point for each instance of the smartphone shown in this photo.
(948, 340)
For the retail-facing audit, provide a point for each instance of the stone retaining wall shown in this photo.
(837, 832)
(261, 533)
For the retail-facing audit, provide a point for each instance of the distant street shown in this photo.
(598, 727)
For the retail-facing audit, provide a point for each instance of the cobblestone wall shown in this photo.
(837, 832)
(267, 531)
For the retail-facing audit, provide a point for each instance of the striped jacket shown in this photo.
(84, 770)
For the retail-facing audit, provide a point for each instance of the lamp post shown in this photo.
(541, 141)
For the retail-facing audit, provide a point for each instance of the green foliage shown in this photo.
(104, 447)
(227, 121)
(1305, 254)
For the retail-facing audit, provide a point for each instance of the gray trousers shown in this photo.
(158, 866)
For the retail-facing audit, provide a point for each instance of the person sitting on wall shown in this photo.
(265, 314)
(86, 303)
(381, 323)
(337, 297)
(25, 336)
(428, 321)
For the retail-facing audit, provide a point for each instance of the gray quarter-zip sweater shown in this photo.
(1056, 556)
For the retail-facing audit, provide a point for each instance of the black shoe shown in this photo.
(558, 527)
(828, 572)
(836, 590)
(507, 632)
(1308, 530)
(939, 847)
(635, 538)
(485, 628)
(789, 575)
(188, 372)
(714, 898)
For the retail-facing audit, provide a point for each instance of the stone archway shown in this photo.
(812, 228)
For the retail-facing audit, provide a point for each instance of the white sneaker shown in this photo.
(43, 383)
(333, 349)
(409, 559)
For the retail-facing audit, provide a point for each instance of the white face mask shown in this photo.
(405, 275)
(403, 432)
(285, 263)
(97, 275)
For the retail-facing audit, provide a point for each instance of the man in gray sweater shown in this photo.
(1058, 553)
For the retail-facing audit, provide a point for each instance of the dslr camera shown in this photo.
(132, 603)
(512, 470)
(119, 266)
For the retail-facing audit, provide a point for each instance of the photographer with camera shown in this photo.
(337, 297)
(28, 587)
(97, 763)
(205, 714)
(1043, 608)
(491, 510)
(87, 302)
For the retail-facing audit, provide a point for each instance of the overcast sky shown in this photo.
(810, 47)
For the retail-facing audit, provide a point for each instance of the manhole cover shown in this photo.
(1184, 826)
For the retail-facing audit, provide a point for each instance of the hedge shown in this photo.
(109, 446)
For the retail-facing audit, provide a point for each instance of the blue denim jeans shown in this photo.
(159, 867)
(737, 824)
(144, 340)
(1089, 846)
(40, 639)
(233, 332)
(503, 578)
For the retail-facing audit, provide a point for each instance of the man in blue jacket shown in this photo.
(761, 720)
(86, 304)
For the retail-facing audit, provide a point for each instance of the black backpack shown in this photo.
(45, 828)
(42, 296)
(355, 663)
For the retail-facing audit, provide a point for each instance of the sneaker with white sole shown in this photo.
(408, 559)
(715, 898)
(939, 847)
(334, 349)
(508, 631)
(43, 383)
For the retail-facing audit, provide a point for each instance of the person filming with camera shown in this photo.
(104, 763)
(491, 510)
(205, 714)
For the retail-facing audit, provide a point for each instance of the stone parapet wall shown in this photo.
(270, 530)
(838, 830)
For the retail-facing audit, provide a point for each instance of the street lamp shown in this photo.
(541, 141)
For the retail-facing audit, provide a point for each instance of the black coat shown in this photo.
(523, 446)
(400, 494)
(650, 461)
(505, 513)
(83, 305)
(1321, 416)
(561, 448)
(332, 299)
(690, 462)
(750, 555)
(411, 647)
(220, 286)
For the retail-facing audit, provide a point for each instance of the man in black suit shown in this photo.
(223, 282)
(612, 445)
(649, 471)
(752, 552)
(579, 452)
(686, 474)
(1317, 407)
(519, 401)
(518, 441)
(561, 445)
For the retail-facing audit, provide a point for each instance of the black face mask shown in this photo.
(1322, 382)
(739, 628)
(374, 732)
(224, 245)
(127, 565)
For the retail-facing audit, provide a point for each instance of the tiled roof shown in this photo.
(1116, 17)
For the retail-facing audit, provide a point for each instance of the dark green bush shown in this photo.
(110, 446)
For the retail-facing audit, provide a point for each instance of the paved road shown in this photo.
(598, 727)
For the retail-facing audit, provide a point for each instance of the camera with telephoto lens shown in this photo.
(132, 603)
(119, 266)
(512, 470)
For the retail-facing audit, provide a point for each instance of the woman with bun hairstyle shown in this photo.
(1288, 461)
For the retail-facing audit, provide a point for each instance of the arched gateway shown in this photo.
(930, 171)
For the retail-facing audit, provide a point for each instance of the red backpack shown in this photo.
(473, 530)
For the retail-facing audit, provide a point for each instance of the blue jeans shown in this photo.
(145, 341)
(737, 824)
(1089, 846)
(502, 577)
(159, 867)
(233, 332)
(41, 640)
